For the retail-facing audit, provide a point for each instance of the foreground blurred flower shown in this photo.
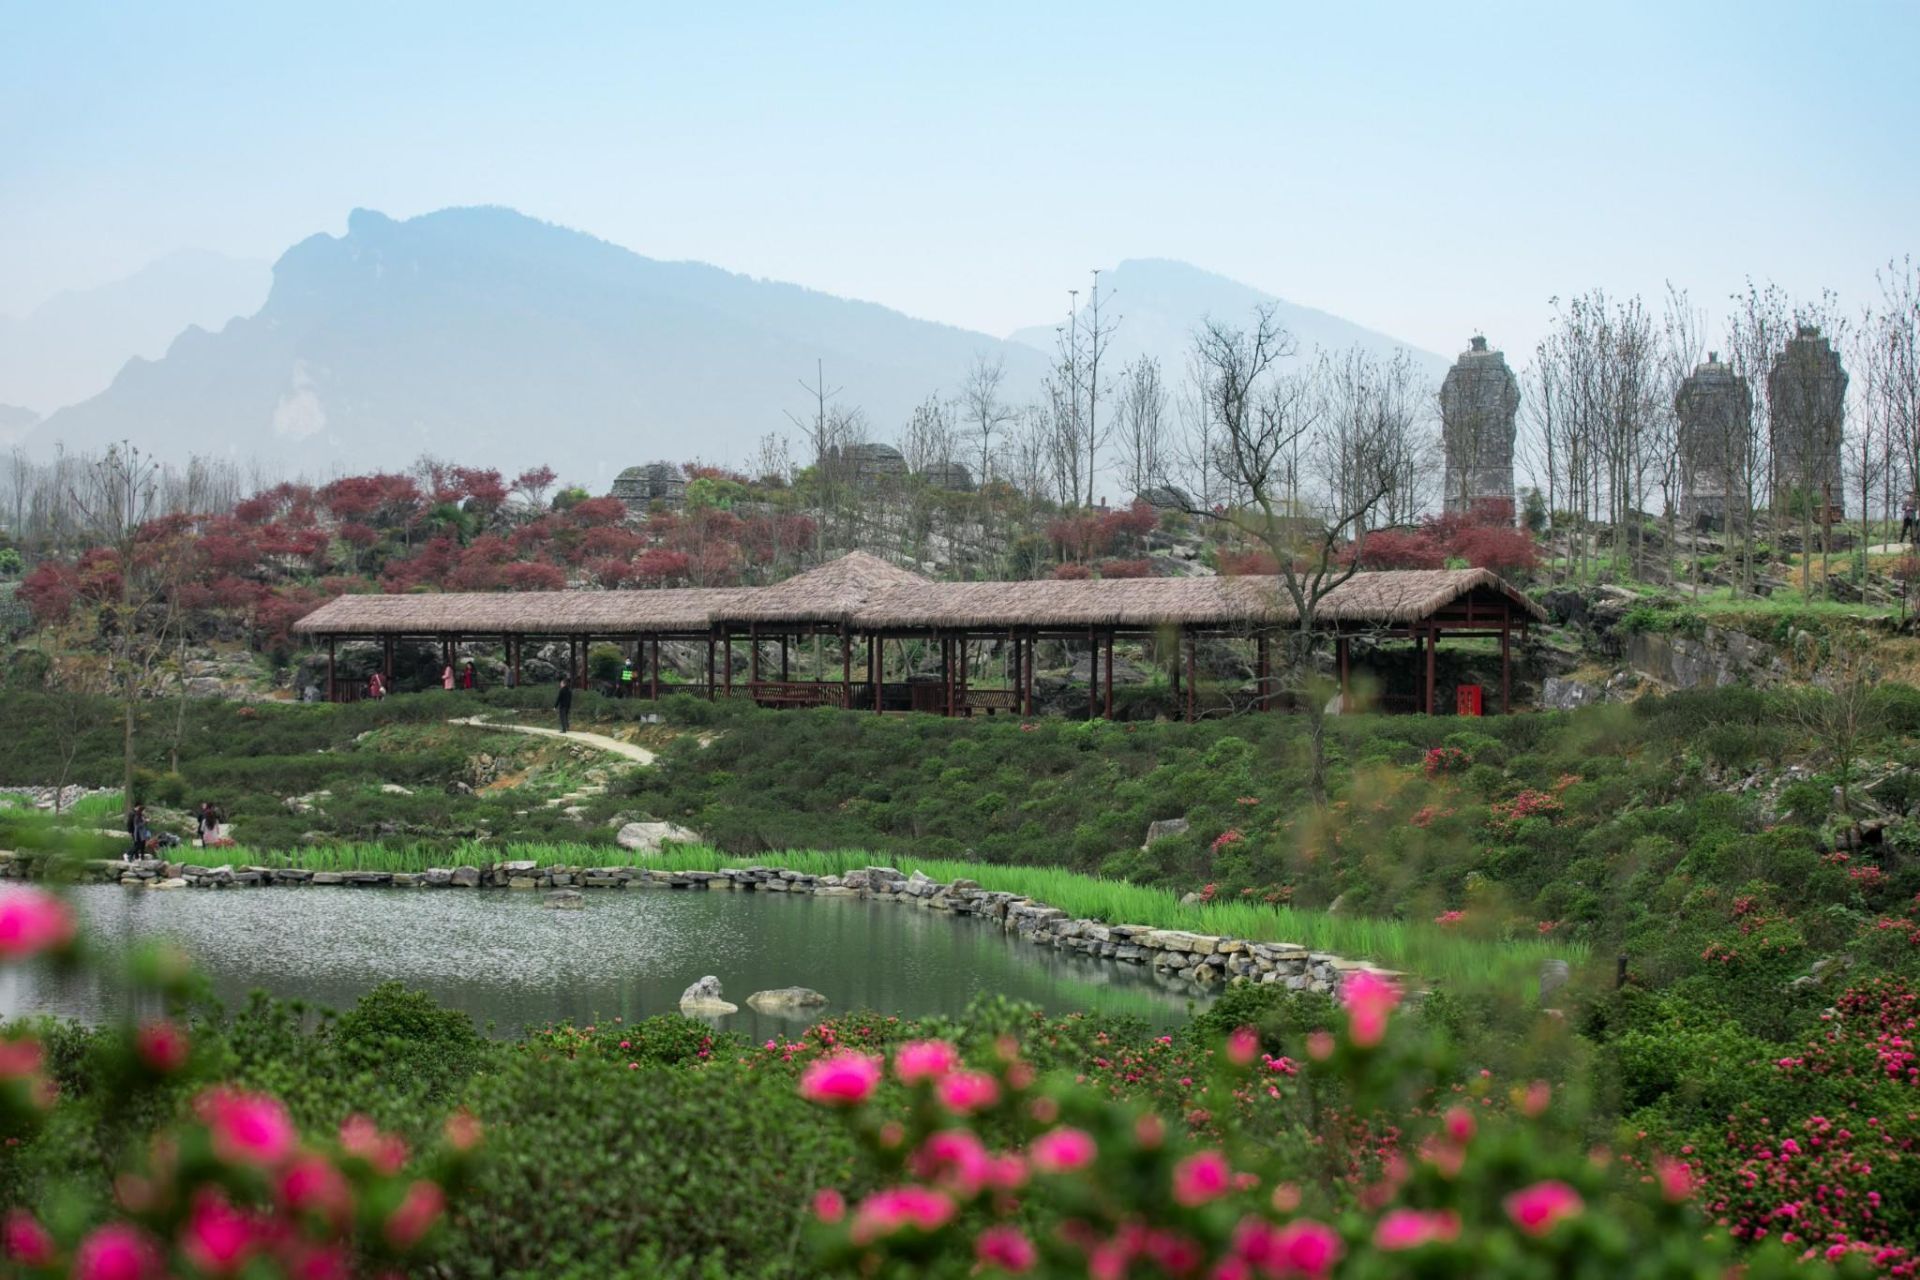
(1411, 1228)
(218, 1239)
(161, 1046)
(20, 1058)
(360, 1137)
(843, 1080)
(886, 1212)
(26, 1241)
(464, 1131)
(417, 1213)
(1006, 1248)
(965, 1092)
(1201, 1177)
(1368, 998)
(1537, 1209)
(32, 921)
(829, 1205)
(311, 1185)
(116, 1252)
(1062, 1151)
(924, 1060)
(248, 1128)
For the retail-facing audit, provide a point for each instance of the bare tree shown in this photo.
(1756, 330)
(1890, 338)
(1376, 431)
(1265, 423)
(985, 417)
(1840, 715)
(1142, 413)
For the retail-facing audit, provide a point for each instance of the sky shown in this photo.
(1428, 170)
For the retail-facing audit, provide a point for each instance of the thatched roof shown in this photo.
(834, 592)
(681, 610)
(866, 593)
(1379, 598)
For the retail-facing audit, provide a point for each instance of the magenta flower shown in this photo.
(843, 1080)
(21, 1058)
(116, 1251)
(1242, 1046)
(925, 1060)
(885, 1213)
(161, 1046)
(1539, 1208)
(311, 1185)
(1006, 1248)
(32, 921)
(248, 1128)
(26, 1241)
(1308, 1248)
(1412, 1228)
(1062, 1150)
(1460, 1124)
(829, 1205)
(217, 1239)
(418, 1211)
(965, 1092)
(1201, 1177)
(953, 1160)
(1368, 998)
(1676, 1180)
(361, 1138)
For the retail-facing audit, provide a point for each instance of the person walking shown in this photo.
(469, 679)
(626, 679)
(208, 820)
(446, 677)
(564, 704)
(1907, 522)
(138, 832)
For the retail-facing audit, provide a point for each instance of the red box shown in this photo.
(1467, 700)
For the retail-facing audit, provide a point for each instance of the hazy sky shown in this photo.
(1424, 168)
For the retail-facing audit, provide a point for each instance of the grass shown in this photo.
(1426, 950)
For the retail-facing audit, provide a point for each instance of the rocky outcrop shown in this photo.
(704, 997)
(647, 837)
(565, 900)
(785, 999)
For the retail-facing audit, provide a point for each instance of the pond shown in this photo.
(506, 960)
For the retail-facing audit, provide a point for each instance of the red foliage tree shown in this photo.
(1071, 571)
(533, 577)
(1126, 568)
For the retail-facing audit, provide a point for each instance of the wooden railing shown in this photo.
(797, 693)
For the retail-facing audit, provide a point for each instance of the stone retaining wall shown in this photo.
(1200, 958)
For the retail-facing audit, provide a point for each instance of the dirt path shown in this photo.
(639, 755)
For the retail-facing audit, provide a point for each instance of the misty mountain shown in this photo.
(70, 346)
(485, 336)
(15, 422)
(1159, 303)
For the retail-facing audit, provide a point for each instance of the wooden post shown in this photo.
(946, 671)
(330, 689)
(654, 667)
(876, 665)
(1506, 662)
(1093, 674)
(726, 640)
(387, 645)
(783, 661)
(753, 661)
(846, 668)
(514, 658)
(1109, 674)
(1433, 645)
(1346, 707)
(1260, 700)
(709, 665)
(1027, 665)
(1193, 676)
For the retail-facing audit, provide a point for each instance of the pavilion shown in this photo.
(861, 603)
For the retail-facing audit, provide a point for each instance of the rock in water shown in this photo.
(785, 998)
(704, 997)
(565, 900)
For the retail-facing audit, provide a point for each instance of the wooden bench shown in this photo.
(796, 693)
(990, 700)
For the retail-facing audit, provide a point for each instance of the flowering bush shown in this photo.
(1446, 760)
(1505, 815)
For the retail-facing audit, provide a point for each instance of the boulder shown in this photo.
(438, 877)
(171, 882)
(395, 789)
(647, 837)
(565, 900)
(784, 998)
(465, 878)
(704, 997)
(328, 877)
(1163, 828)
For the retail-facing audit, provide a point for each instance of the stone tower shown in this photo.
(1714, 407)
(1807, 398)
(1477, 402)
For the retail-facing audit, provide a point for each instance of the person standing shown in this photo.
(209, 821)
(626, 679)
(1907, 522)
(446, 677)
(137, 832)
(564, 704)
(469, 679)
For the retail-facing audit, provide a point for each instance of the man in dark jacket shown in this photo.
(564, 704)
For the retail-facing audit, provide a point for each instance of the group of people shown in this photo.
(451, 678)
(209, 826)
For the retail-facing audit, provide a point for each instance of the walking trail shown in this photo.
(639, 755)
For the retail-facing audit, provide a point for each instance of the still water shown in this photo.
(508, 961)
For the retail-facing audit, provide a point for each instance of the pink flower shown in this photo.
(217, 1239)
(417, 1213)
(1534, 1102)
(965, 1092)
(311, 1185)
(20, 1058)
(116, 1252)
(1062, 1150)
(1459, 1123)
(361, 1138)
(161, 1046)
(464, 1131)
(1368, 998)
(32, 921)
(829, 1205)
(248, 1128)
(1306, 1247)
(886, 1212)
(1006, 1248)
(843, 1080)
(1201, 1177)
(1676, 1180)
(1242, 1046)
(925, 1060)
(1448, 919)
(1537, 1209)
(953, 1160)
(1411, 1228)
(26, 1241)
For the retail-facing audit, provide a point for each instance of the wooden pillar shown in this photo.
(1109, 674)
(1260, 668)
(947, 673)
(1433, 645)
(753, 661)
(1346, 705)
(330, 686)
(726, 641)
(1506, 662)
(846, 668)
(1093, 674)
(876, 666)
(1193, 675)
(1027, 665)
(783, 661)
(709, 666)
(387, 646)
(653, 667)
(518, 644)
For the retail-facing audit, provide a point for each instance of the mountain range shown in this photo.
(485, 336)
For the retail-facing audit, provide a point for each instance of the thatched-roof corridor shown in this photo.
(860, 602)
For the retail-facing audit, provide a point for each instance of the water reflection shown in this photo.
(506, 960)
